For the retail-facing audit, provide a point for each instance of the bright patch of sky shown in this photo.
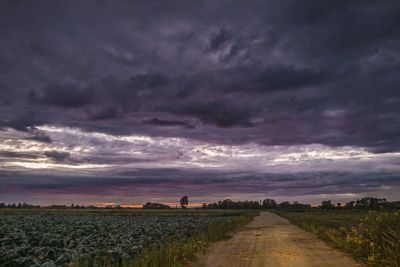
(84, 152)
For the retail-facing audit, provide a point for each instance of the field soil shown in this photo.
(270, 240)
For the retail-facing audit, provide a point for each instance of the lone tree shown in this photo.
(184, 202)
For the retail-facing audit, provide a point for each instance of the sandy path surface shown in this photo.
(270, 240)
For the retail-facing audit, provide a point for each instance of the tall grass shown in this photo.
(374, 239)
(175, 252)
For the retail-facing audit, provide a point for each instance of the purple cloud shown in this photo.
(102, 90)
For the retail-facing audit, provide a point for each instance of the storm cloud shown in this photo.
(140, 85)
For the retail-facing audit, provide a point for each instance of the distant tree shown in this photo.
(297, 205)
(350, 204)
(339, 205)
(370, 203)
(269, 204)
(284, 205)
(184, 202)
(204, 206)
(227, 204)
(327, 204)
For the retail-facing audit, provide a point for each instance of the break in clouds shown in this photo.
(130, 102)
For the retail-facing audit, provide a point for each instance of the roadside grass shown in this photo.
(372, 237)
(177, 252)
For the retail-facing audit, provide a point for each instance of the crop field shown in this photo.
(103, 239)
(372, 237)
(128, 212)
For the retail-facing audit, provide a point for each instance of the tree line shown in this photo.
(363, 203)
(265, 204)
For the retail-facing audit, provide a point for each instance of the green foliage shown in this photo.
(93, 239)
(371, 237)
(180, 252)
(327, 204)
(370, 203)
(230, 204)
(269, 204)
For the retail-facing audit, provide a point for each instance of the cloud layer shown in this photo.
(262, 88)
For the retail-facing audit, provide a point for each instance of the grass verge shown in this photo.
(370, 237)
(176, 252)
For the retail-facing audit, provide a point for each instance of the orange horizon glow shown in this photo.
(138, 206)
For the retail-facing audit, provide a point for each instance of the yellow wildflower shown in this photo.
(371, 258)
(348, 237)
(372, 244)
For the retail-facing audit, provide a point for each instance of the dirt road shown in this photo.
(270, 240)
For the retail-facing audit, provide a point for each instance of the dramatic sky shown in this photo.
(136, 101)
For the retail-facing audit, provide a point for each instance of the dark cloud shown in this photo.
(223, 72)
(23, 123)
(158, 122)
(280, 73)
(12, 154)
(219, 113)
(105, 114)
(218, 39)
(352, 29)
(39, 136)
(27, 123)
(167, 183)
(62, 95)
(285, 77)
(148, 80)
(111, 159)
(57, 156)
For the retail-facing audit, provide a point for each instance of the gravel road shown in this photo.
(270, 240)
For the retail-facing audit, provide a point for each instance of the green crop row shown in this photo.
(112, 240)
(178, 251)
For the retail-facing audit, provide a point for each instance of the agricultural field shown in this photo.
(371, 237)
(103, 238)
